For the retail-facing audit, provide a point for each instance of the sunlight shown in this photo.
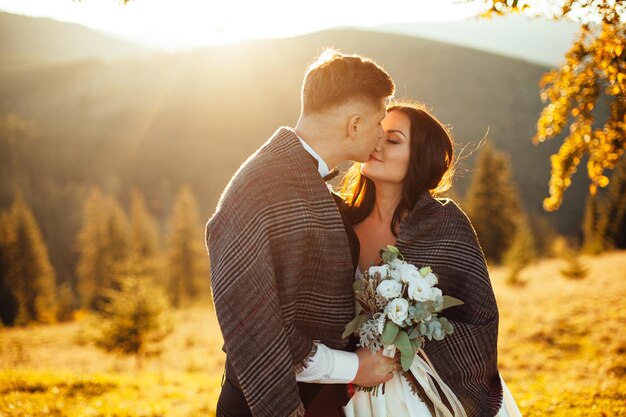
(187, 24)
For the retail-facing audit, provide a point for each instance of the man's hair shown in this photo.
(335, 78)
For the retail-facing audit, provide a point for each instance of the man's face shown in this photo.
(370, 129)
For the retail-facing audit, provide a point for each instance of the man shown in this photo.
(283, 258)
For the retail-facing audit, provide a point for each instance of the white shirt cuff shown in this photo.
(330, 366)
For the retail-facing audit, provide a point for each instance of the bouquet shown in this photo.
(398, 307)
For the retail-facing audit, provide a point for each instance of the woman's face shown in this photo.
(390, 160)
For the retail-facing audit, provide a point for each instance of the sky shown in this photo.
(187, 24)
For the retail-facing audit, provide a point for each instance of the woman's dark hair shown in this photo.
(430, 167)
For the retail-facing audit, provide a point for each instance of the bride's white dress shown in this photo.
(399, 401)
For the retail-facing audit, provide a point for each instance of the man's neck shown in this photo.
(322, 137)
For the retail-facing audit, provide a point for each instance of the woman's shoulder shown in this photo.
(451, 208)
(446, 218)
(455, 221)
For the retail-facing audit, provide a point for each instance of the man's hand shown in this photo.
(374, 369)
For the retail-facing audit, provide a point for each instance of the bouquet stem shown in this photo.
(389, 351)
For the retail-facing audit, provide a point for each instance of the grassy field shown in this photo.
(562, 352)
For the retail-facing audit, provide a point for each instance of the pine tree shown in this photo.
(612, 219)
(118, 233)
(593, 240)
(543, 233)
(30, 276)
(188, 263)
(136, 316)
(492, 204)
(522, 251)
(8, 301)
(103, 241)
(144, 234)
(92, 259)
(574, 267)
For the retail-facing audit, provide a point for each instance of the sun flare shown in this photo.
(186, 24)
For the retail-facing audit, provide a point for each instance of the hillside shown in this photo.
(169, 119)
(537, 40)
(29, 40)
(188, 102)
(561, 351)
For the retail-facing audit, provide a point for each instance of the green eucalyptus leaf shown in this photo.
(415, 333)
(352, 327)
(358, 286)
(364, 305)
(403, 343)
(406, 360)
(390, 332)
(451, 302)
(357, 308)
(417, 344)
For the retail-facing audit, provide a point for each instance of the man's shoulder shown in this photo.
(269, 176)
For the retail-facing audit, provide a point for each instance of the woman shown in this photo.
(389, 200)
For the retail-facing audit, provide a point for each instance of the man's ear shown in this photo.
(353, 126)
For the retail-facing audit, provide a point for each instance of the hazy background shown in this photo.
(114, 114)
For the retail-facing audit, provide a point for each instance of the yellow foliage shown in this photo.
(595, 64)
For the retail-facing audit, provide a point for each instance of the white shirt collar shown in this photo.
(322, 168)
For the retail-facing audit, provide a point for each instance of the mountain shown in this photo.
(27, 40)
(537, 40)
(192, 118)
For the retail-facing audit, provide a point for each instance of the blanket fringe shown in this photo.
(304, 363)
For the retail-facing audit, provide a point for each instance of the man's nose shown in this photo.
(379, 145)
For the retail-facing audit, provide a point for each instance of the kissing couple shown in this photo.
(285, 251)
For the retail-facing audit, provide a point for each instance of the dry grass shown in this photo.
(56, 371)
(562, 353)
(562, 347)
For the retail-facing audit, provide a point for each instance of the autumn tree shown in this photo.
(187, 259)
(492, 204)
(594, 69)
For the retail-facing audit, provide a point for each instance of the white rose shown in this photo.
(434, 293)
(395, 274)
(398, 310)
(419, 289)
(408, 272)
(396, 263)
(431, 278)
(389, 289)
(382, 270)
